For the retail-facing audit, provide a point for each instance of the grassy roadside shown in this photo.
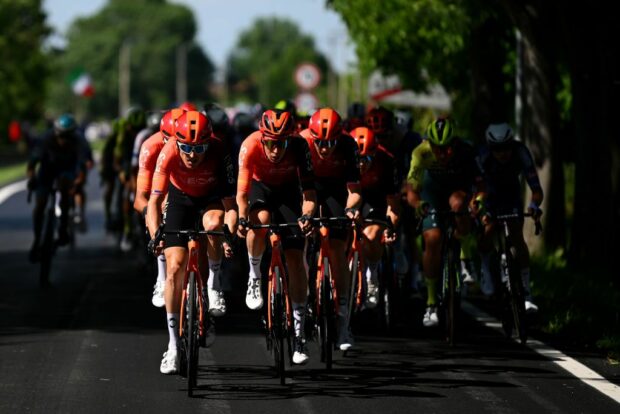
(580, 306)
(13, 172)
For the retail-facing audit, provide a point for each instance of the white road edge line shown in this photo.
(574, 367)
(12, 189)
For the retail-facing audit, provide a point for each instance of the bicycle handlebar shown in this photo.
(160, 233)
(513, 216)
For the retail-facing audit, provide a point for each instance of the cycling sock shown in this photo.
(431, 286)
(372, 271)
(416, 276)
(161, 268)
(299, 316)
(343, 306)
(214, 274)
(255, 272)
(173, 330)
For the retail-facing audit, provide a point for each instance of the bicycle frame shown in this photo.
(513, 278)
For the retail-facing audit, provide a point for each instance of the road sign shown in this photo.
(306, 102)
(307, 76)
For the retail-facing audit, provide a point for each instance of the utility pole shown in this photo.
(124, 77)
(181, 81)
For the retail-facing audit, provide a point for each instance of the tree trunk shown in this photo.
(540, 126)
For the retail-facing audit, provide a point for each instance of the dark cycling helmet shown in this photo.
(380, 120)
(167, 124)
(153, 119)
(366, 141)
(217, 116)
(193, 128)
(325, 124)
(356, 110)
(404, 120)
(188, 106)
(276, 124)
(498, 135)
(65, 124)
(244, 123)
(135, 117)
(440, 132)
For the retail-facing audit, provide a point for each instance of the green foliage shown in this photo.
(23, 68)
(153, 29)
(580, 304)
(261, 66)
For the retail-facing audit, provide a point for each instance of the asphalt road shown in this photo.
(93, 343)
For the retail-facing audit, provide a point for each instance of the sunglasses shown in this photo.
(366, 159)
(196, 149)
(272, 144)
(320, 143)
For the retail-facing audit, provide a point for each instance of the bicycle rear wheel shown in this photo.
(191, 333)
(387, 295)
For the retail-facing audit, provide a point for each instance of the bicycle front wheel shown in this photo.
(191, 333)
(326, 317)
(517, 298)
(278, 320)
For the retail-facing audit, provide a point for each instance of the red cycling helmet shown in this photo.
(325, 125)
(380, 120)
(188, 106)
(276, 124)
(365, 139)
(166, 125)
(193, 128)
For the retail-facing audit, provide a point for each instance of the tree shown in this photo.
(153, 30)
(465, 45)
(23, 69)
(261, 66)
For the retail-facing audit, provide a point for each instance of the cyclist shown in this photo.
(503, 160)
(400, 143)
(135, 120)
(197, 172)
(86, 162)
(442, 174)
(356, 113)
(108, 175)
(149, 151)
(381, 199)
(276, 184)
(59, 162)
(336, 168)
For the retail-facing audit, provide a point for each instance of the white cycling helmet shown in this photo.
(499, 134)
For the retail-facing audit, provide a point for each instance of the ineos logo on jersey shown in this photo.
(194, 180)
(242, 153)
(160, 161)
(144, 154)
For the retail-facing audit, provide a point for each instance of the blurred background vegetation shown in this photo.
(551, 68)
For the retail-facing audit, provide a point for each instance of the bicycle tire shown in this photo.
(354, 267)
(278, 326)
(47, 248)
(386, 292)
(191, 332)
(451, 308)
(517, 298)
(326, 318)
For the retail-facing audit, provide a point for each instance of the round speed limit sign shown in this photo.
(307, 76)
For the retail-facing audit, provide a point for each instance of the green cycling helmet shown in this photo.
(440, 132)
(136, 117)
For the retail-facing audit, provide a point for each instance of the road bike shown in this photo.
(514, 316)
(279, 320)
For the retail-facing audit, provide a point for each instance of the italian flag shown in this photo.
(81, 83)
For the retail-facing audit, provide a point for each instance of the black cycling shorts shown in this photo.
(374, 207)
(184, 212)
(284, 204)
